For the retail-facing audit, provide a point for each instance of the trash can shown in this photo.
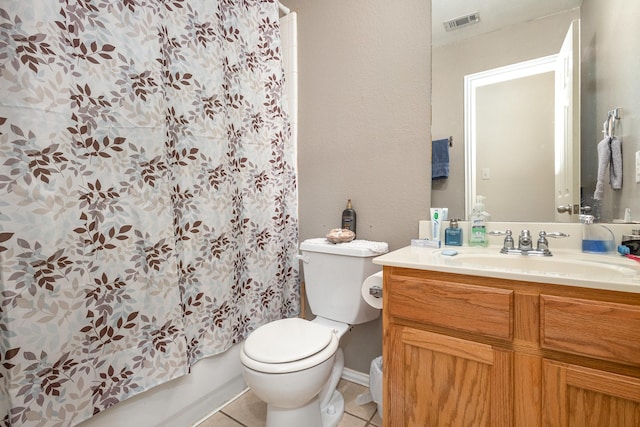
(375, 383)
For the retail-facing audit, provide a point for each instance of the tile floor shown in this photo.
(248, 411)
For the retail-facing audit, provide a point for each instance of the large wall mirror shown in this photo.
(516, 34)
(509, 134)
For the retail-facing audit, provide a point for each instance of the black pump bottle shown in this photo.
(349, 218)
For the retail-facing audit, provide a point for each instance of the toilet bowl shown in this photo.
(294, 365)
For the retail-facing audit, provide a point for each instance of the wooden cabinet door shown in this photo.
(579, 396)
(434, 380)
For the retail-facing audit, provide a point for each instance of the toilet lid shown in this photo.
(286, 340)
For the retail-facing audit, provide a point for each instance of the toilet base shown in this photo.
(309, 415)
(333, 412)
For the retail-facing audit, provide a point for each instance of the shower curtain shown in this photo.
(148, 195)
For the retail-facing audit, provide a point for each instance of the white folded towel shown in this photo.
(615, 172)
(375, 247)
(604, 158)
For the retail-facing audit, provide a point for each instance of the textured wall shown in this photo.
(364, 121)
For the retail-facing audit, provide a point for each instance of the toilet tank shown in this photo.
(333, 277)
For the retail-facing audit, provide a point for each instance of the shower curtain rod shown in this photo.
(284, 9)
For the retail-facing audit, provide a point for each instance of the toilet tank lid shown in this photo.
(356, 248)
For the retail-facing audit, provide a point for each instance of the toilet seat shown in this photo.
(288, 345)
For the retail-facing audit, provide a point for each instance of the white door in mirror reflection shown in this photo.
(526, 157)
(567, 127)
(509, 131)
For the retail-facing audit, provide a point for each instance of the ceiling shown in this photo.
(494, 15)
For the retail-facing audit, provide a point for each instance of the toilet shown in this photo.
(294, 365)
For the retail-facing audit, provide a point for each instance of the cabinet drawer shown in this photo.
(477, 309)
(598, 329)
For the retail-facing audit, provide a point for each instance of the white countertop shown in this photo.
(566, 266)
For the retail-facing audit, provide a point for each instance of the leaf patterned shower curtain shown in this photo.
(148, 205)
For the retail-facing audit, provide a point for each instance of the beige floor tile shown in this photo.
(219, 420)
(376, 420)
(251, 411)
(248, 409)
(350, 392)
(349, 420)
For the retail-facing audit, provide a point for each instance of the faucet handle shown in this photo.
(508, 239)
(557, 235)
(543, 243)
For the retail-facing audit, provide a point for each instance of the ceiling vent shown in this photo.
(463, 21)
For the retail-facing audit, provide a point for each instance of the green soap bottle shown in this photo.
(478, 235)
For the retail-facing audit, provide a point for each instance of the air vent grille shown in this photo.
(463, 21)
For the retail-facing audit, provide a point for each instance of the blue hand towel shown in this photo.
(440, 159)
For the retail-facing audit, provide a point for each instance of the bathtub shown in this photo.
(182, 402)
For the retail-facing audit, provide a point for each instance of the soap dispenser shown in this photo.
(479, 218)
(349, 218)
(596, 238)
(453, 234)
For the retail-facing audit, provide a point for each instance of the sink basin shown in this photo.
(573, 266)
(569, 267)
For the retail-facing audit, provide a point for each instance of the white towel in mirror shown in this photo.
(604, 158)
(615, 171)
(609, 155)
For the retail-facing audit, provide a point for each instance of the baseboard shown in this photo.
(355, 377)
(201, 409)
(223, 405)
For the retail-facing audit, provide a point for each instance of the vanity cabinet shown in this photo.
(462, 350)
(579, 396)
(575, 395)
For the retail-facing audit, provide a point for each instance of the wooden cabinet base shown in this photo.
(578, 396)
(472, 351)
(444, 381)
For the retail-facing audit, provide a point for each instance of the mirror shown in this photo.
(495, 103)
(608, 63)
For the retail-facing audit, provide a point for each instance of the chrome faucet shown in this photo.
(525, 242)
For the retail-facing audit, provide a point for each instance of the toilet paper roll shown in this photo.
(372, 282)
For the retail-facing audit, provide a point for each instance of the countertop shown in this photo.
(566, 267)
